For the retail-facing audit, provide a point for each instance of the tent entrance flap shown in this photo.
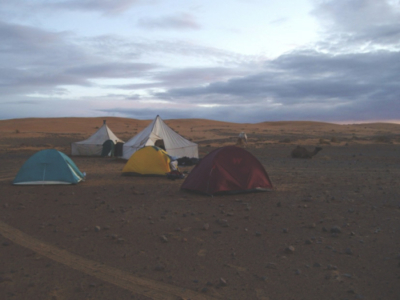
(108, 148)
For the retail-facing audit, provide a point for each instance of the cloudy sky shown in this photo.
(230, 60)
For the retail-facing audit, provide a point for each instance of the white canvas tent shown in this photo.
(94, 144)
(159, 134)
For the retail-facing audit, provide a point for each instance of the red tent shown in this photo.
(228, 169)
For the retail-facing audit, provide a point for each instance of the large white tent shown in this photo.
(159, 134)
(94, 144)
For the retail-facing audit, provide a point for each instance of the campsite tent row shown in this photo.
(228, 169)
(156, 134)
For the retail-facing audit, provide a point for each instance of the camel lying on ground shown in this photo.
(301, 152)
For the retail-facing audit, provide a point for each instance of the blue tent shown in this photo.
(48, 167)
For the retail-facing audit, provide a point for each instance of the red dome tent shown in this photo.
(228, 169)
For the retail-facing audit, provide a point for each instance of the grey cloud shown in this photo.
(185, 77)
(179, 21)
(136, 47)
(254, 113)
(107, 7)
(22, 39)
(368, 23)
(310, 80)
(111, 70)
(104, 6)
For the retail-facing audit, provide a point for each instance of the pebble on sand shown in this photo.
(289, 250)
(222, 282)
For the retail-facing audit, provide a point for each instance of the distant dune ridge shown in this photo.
(199, 130)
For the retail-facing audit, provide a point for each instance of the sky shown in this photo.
(242, 61)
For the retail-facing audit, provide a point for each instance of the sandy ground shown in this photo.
(329, 230)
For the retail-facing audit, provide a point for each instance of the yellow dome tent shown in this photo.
(149, 160)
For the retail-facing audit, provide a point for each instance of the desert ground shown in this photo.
(330, 229)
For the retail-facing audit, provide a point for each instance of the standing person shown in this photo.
(242, 139)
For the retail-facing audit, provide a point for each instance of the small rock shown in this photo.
(206, 226)
(297, 272)
(223, 222)
(308, 242)
(164, 239)
(4, 279)
(271, 266)
(258, 233)
(336, 229)
(121, 241)
(330, 267)
(348, 251)
(289, 250)
(316, 265)
(159, 268)
(97, 228)
(285, 230)
(222, 282)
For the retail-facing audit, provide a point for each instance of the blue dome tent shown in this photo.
(48, 166)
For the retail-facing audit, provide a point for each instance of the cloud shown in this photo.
(111, 70)
(308, 83)
(350, 73)
(179, 21)
(21, 39)
(107, 7)
(178, 78)
(369, 23)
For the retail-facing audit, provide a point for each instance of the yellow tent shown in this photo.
(149, 160)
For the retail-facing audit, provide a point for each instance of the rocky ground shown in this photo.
(329, 230)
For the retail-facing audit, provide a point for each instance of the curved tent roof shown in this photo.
(48, 167)
(175, 144)
(93, 146)
(149, 160)
(228, 169)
